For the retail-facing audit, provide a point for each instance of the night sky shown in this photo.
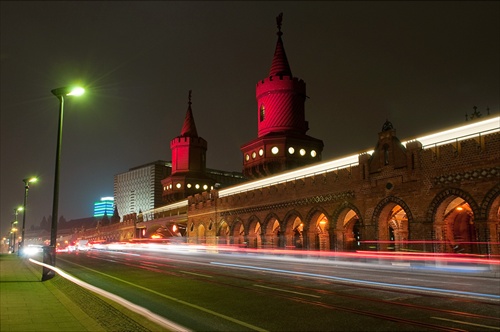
(422, 65)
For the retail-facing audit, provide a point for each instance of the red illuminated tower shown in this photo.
(282, 143)
(188, 175)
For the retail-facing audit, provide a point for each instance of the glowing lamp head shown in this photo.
(68, 91)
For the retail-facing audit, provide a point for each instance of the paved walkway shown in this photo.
(28, 304)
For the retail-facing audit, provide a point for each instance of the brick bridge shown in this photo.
(421, 195)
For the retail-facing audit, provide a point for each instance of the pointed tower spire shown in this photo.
(280, 66)
(189, 127)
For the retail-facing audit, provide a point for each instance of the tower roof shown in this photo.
(280, 66)
(189, 127)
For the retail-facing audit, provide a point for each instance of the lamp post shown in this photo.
(14, 229)
(50, 258)
(26, 188)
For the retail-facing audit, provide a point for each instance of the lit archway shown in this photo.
(351, 231)
(238, 233)
(459, 227)
(272, 232)
(294, 232)
(223, 233)
(391, 218)
(453, 213)
(254, 234)
(201, 235)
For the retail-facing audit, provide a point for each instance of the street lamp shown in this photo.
(60, 93)
(27, 182)
(13, 229)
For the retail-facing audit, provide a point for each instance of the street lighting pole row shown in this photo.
(26, 188)
(50, 257)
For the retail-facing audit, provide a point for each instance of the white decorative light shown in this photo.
(302, 152)
(313, 153)
(254, 155)
(261, 152)
(275, 150)
(291, 150)
(178, 185)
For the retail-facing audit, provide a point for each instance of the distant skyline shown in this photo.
(421, 65)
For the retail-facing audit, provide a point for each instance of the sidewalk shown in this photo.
(28, 304)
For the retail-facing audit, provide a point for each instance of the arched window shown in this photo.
(262, 112)
(386, 154)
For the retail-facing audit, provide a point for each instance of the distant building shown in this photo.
(104, 207)
(140, 188)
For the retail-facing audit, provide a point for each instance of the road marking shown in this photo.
(197, 274)
(287, 291)
(365, 282)
(467, 323)
(435, 281)
(250, 326)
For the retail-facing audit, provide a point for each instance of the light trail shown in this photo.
(365, 282)
(231, 319)
(125, 303)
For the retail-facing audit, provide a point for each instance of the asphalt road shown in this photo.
(234, 291)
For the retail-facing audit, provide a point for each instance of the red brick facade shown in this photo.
(438, 199)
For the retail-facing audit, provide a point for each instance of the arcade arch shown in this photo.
(391, 218)
(348, 228)
(454, 224)
(254, 233)
(272, 232)
(318, 235)
(223, 233)
(294, 232)
(238, 233)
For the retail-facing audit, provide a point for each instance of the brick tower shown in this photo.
(188, 175)
(282, 143)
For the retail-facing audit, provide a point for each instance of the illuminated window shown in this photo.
(197, 186)
(247, 157)
(313, 153)
(188, 185)
(262, 112)
(254, 155)
(261, 152)
(291, 150)
(178, 185)
(275, 150)
(205, 187)
(302, 152)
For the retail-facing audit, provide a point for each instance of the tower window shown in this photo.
(275, 150)
(302, 152)
(291, 150)
(313, 153)
(386, 154)
(261, 152)
(262, 112)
